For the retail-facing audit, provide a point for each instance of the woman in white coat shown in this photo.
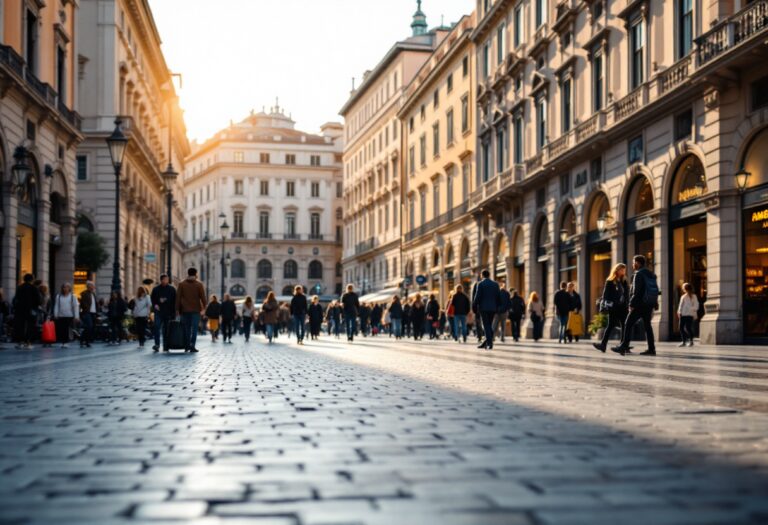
(687, 312)
(65, 310)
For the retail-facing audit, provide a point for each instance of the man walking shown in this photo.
(164, 306)
(228, 314)
(487, 302)
(643, 299)
(516, 313)
(26, 308)
(350, 305)
(562, 309)
(500, 321)
(190, 303)
(88, 310)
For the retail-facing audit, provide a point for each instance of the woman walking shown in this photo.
(247, 314)
(536, 315)
(433, 316)
(213, 313)
(315, 317)
(142, 305)
(115, 314)
(65, 310)
(614, 303)
(270, 309)
(417, 317)
(395, 311)
(687, 312)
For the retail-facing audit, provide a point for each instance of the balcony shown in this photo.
(315, 236)
(558, 146)
(534, 163)
(263, 236)
(675, 75)
(365, 246)
(628, 105)
(291, 237)
(440, 220)
(238, 235)
(729, 33)
(588, 128)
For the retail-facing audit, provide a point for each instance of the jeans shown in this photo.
(160, 323)
(246, 329)
(88, 320)
(190, 322)
(686, 328)
(500, 322)
(614, 319)
(516, 322)
(487, 318)
(397, 327)
(298, 323)
(351, 326)
(140, 323)
(270, 329)
(634, 316)
(563, 327)
(460, 327)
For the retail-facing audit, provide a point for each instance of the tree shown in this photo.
(90, 253)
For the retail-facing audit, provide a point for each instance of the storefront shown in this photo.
(638, 227)
(755, 240)
(26, 229)
(688, 237)
(599, 258)
(518, 263)
(542, 261)
(501, 260)
(568, 257)
(465, 271)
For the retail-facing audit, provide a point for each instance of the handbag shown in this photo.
(48, 335)
(575, 324)
(605, 305)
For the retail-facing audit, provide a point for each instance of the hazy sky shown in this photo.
(236, 55)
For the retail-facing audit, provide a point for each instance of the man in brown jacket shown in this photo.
(190, 303)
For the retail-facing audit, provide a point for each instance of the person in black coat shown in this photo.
(418, 314)
(461, 308)
(315, 317)
(433, 315)
(26, 306)
(638, 308)
(365, 315)
(407, 307)
(228, 314)
(562, 309)
(350, 305)
(299, 312)
(576, 306)
(376, 319)
(487, 301)
(516, 314)
(614, 303)
(116, 310)
(163, 299)
(396, 317)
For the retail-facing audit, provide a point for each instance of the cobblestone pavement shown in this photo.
(380, 432)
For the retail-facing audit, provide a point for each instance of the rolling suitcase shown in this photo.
(174, 336)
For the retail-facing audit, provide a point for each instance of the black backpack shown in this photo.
(651, 296)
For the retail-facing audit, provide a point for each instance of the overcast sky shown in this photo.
(238, 55)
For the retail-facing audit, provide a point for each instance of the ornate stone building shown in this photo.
(122, 72)
(39, 132)
(279, 190)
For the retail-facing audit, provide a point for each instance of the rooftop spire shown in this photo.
(419, 24)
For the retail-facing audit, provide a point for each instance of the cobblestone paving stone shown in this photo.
(383, 433)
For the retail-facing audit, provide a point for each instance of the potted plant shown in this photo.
(598, 324)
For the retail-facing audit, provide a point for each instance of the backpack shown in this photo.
(651, 296)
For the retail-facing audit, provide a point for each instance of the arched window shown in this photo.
(238, 269)
(423, 264)
(265, 269)
(690, 180)
(315, 270)
(261, 292)
(568, 223)
(542, 239)
(435, 258)
(485, 253)
(288, 290)
(290, 269)
(449, 254)
(237, 291)
(598, 209)
(640, 197)
(84, 225)
(466, 261)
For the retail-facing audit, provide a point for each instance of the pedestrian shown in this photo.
(562, 307)
(433, 316)
(418, 316)
(284, 319)
(613, 303)
(487, 302)
(461, 310)
(350, 305)
(46, 305)
(65, 311)
(213, 315)
(365, 314)
(687, 312)
(5, 312)
(643, 299)
(88, 311)
(142, 306)
(271, 310)
(395, 311)
(247, 315)
(450, 315)
(575, 321)
(376, 314)
(228, 315)
(163, 299)
(299, 312)
(407, 307)
(516, 314)
(500, 319)
(116, 309)
(536, 315)
(190, 304)
(333, 317)
(315, 312)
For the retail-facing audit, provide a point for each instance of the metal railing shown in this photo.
(442, 219)
(729, 33)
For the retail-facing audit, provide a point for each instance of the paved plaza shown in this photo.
(383, 432)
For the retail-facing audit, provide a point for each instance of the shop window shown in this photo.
(690, 181)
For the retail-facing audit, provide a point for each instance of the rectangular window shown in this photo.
(436, 139)
(541, 197)
(436, 99)
(238, 187)
(486, 60)
(541, 122)
(449, 83)
(501, 146)
(449, 189)
(596, 169)
(464, 114)
(565, 184)
(500, 44)
(684, 27)
(264, 187)
(465, 180)
(314, 225)
(486, 160)
(465, 66)
(760, 93)
(567, 97)
(449, 127)
(264, 224)
(518, 139)
(30, 54)
(394, 129)
(541, 12)
(683, 124)
(412, 160)
(264, 158)
(423, 112)
(315, 189)
(423, 150)
(314, 160)
(518, 21)
(61, 72)
(82, 167)
(239, 157)
(339, 190)
(237, 224)
(636, 51)
(290, 225)
(412, 213)
(290, 189)
(423, 207)
(635, 150)
(436, 199)
(290, 159)
(597, 81)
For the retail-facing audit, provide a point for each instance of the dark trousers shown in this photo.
(538, 327)
(351, 326)
(115, 329)
(634, 316)
(87, 321)
(614, 319)
(298, 324)
(24, 328)
(140, 323)
(686, 328)
(226, 329)
(161, 322)
(190, 321)
(487, 318)
(63, 326)
(516, 322)
(246, 329)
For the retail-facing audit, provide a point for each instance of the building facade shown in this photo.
(39, 134)
(613, 128)
(122, 73)
(438, 165)
(279, 190)
(372, 163)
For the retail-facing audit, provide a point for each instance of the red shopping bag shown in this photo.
(49, 332)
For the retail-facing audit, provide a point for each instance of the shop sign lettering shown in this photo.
(689, 194)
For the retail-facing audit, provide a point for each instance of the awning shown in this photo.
(382, 296)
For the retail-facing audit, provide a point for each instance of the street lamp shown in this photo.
(117, 143)
(169, 175)
(742, 179)
(20, 168)
(224, 228)
(602, 221)
(563, 235)
(206, 246)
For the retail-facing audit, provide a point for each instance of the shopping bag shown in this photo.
(575, 324)
(174, 336)
(49, 332)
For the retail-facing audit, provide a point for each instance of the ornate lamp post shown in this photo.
(169, 175)
(602, 222)
(117, 143)
(224, 228)
(206, 246)
(563, 236)
(741, 178)
(20, 168)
